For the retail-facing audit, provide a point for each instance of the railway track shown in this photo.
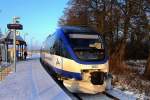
(79, 96)
(99, 96)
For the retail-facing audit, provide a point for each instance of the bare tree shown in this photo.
(120, 21)
(75, 14)
(147, 69)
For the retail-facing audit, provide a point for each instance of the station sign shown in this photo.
(15, 26)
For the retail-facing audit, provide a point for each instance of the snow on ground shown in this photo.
(31, 82)
(33, 56)
(132, 81)
(4, 64)
(137, 65)
(121, 95)
(127, 94)
(137, 88)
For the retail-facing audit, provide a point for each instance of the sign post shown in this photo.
(15, 26)
(14, 42)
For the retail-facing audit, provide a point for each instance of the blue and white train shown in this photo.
(79, 56)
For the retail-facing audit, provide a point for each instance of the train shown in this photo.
(79, 57)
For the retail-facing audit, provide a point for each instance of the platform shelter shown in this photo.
(6, 43)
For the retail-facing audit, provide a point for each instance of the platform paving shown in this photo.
(31, 82)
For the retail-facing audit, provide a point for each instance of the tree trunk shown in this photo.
(116, 61)
(147, 69)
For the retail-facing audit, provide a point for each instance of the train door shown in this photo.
(58, 58)
(61, 53)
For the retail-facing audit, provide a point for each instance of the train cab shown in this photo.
(78, 55)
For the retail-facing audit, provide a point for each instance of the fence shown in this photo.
(5, 69)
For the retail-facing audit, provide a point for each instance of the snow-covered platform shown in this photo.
(31, 82)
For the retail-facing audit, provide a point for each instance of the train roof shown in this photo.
(73, 29)
(76, 29)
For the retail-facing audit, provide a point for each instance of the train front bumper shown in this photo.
(83, 87)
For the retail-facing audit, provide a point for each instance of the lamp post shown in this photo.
(15, 26)
(14, 42)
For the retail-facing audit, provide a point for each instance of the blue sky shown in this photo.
(39, 17)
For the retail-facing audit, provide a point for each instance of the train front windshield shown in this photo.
(87, 47)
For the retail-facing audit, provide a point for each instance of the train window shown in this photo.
(65, 53)
(56, 47)
(51, 50)
(87, 47)
(60, 49)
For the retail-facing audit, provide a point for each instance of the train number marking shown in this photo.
(57, 62)
(94, 66)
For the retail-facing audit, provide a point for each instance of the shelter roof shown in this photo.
(9, 38)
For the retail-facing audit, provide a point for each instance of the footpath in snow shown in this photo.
(31, 82)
